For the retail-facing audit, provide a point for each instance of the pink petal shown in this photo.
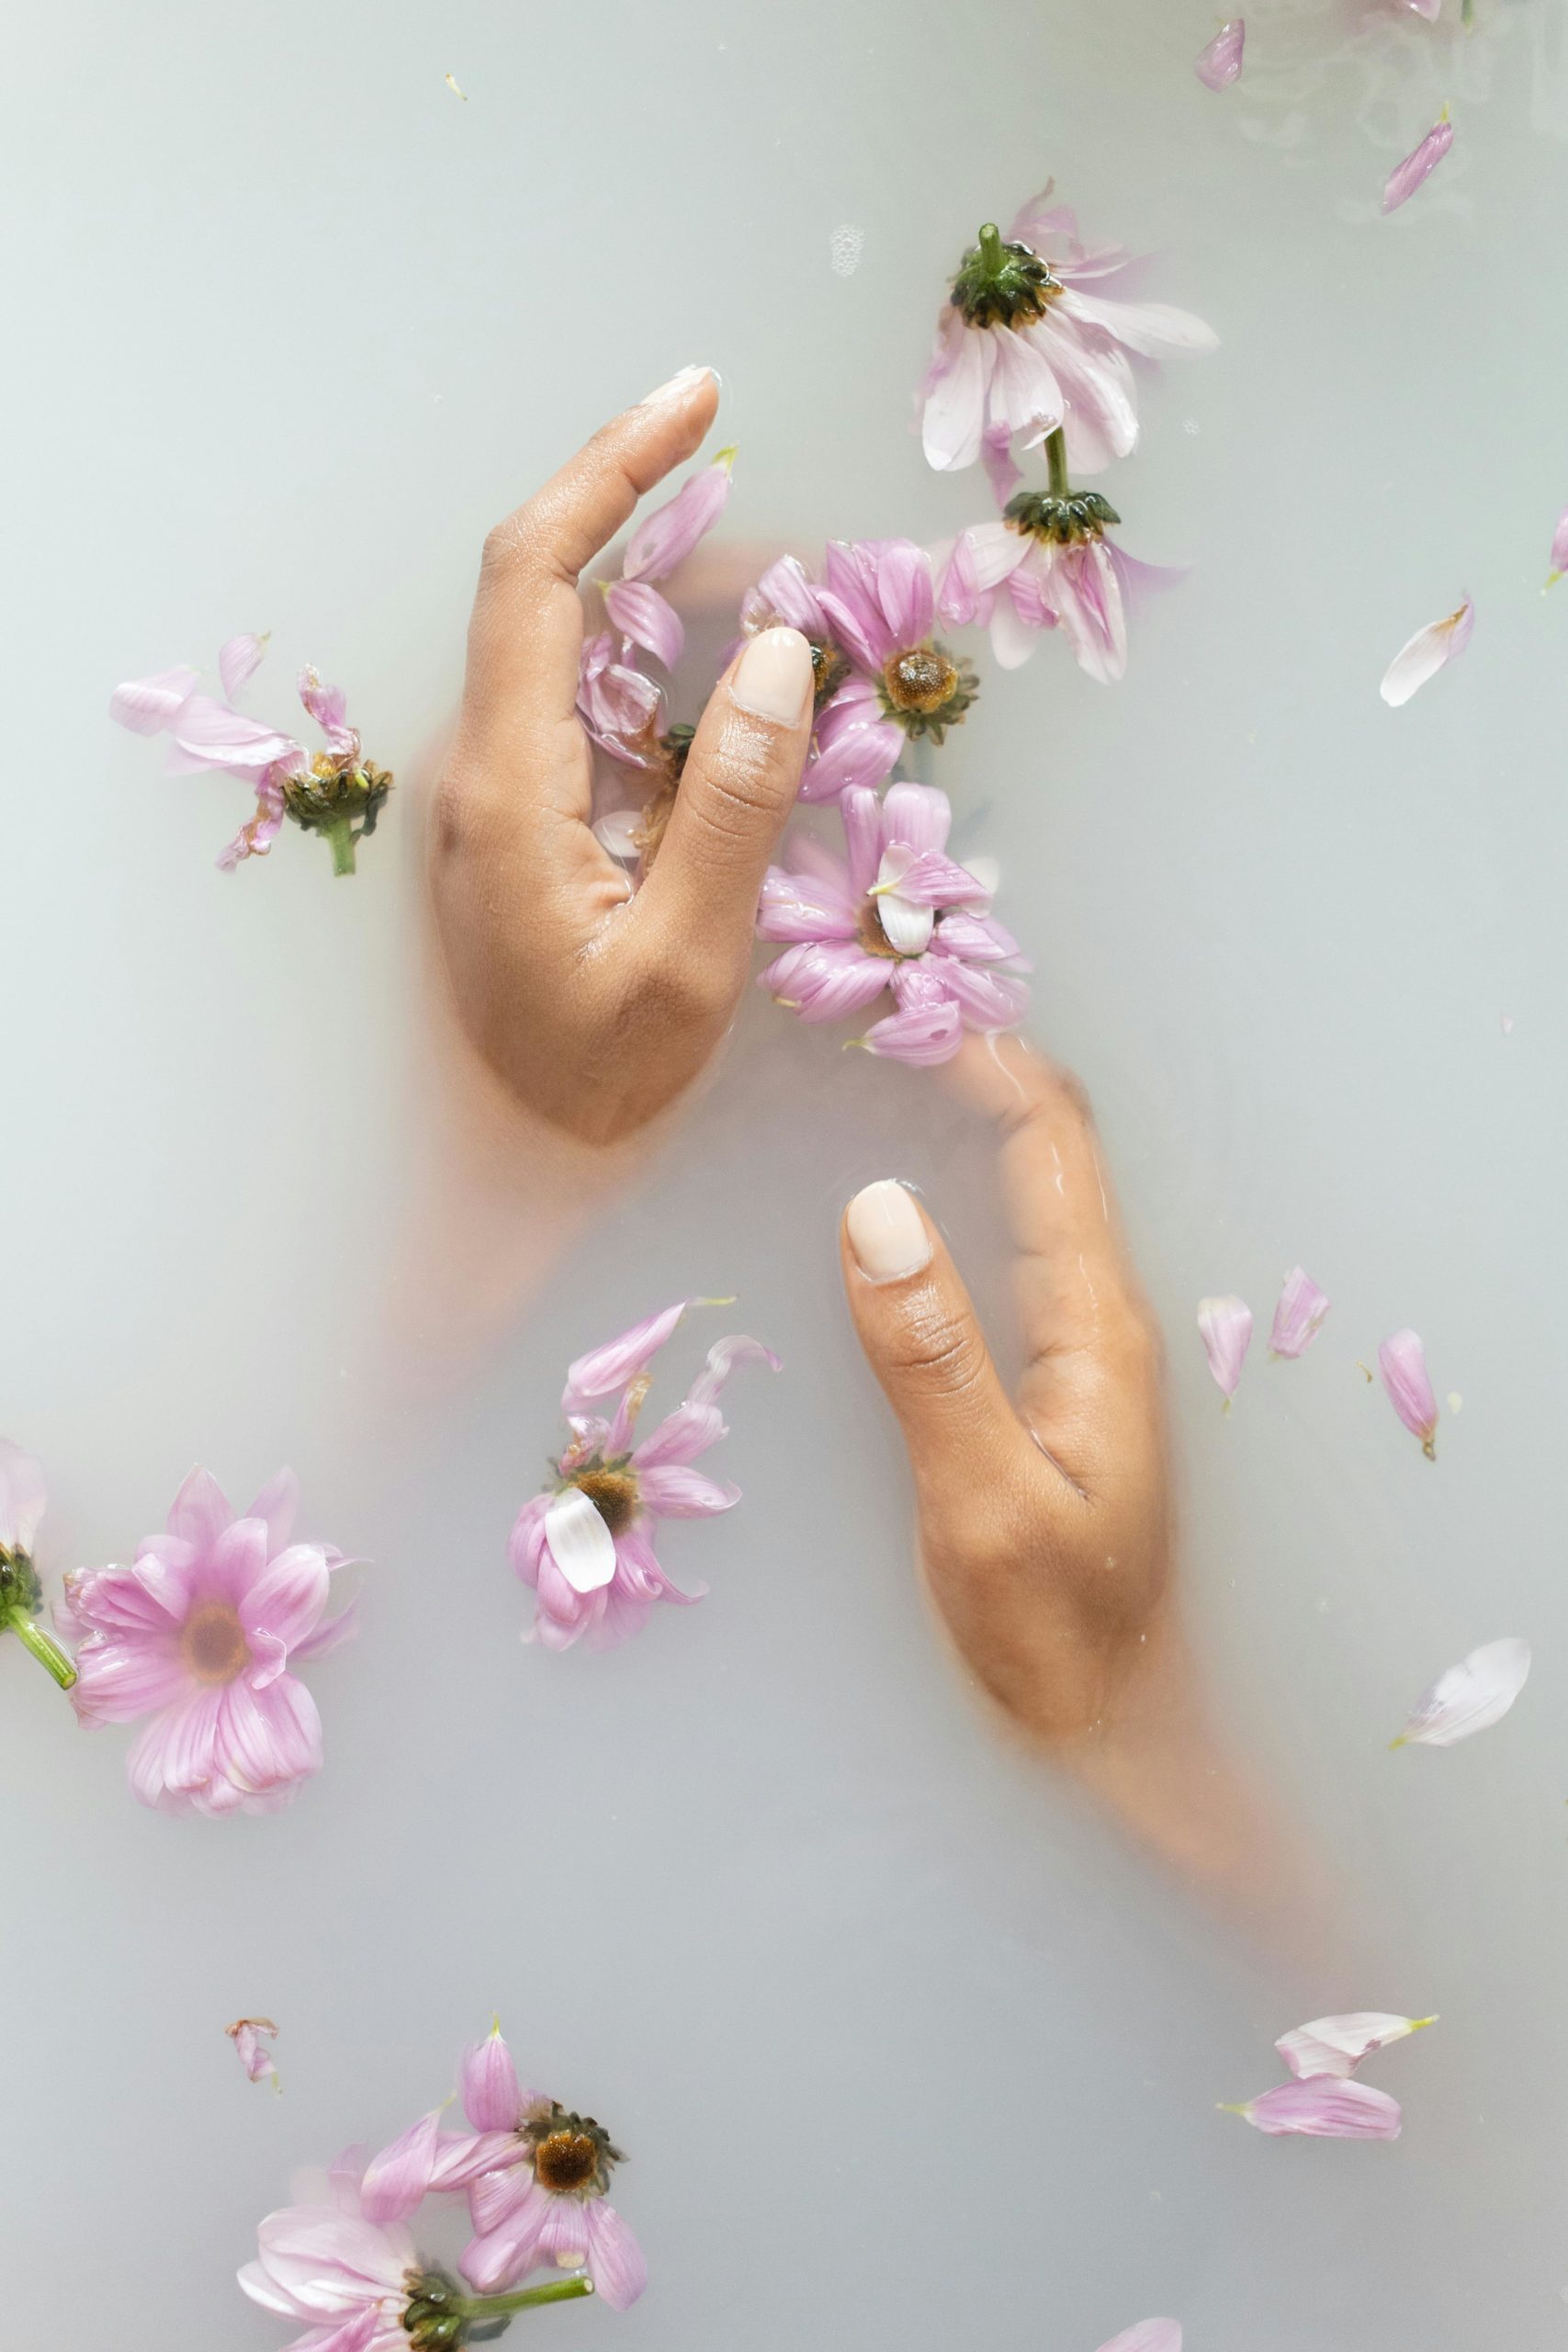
(1324, 2109)
(504, 2252)
(922, 1037)
(785, 593)
(1470, 1697)
(857, 756)
(824, 982)
(1151, 329)
(668, 536)
(397, 2180)
(286, 1599)
(1298, 1318)
(673, 1491)
(1218, 65)
(268, 1738)
(725, 1358)
(173, 1754)
(1406, 177)
(680, 1436)
(1403, 1363)
(328, 706)
(604, 1369)
(1559, 557)
(614, 2258)
(1338, 2045)
(919, 817)
(251, 2051)
(953, 414)
(796, 907)
(1149, 2336)
(22, 1498)
(239, 660)
(1224, 1324)
(212, 736)
(493, 2097)
(146, 705)
(641, 612)
(1422, 656)
(996, 455)
(276, 1504)
(328, 1635)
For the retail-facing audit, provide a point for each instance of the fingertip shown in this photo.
(886, 1233)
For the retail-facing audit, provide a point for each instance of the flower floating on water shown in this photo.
(897, 684)
(246, 2034)
(199, 1632)
(537, 2176)
(1403, 1363)
(899, 914)
(1423, 655)
(1298, 1318)
(1338, 2045)
(23, 1500)
(586, 1543)
(1470, 1697)
(1149, 2336)
(336, 793)
(363, 2285)
(1046, 564)
(1225, 1326)
(663, 541)
(1219, 64)
(1324, 2108)
(1420, 164)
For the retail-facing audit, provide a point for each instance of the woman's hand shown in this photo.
(596, 1009)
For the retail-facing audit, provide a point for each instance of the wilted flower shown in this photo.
(1298, 1318)
(1423, 655)
(1046, 564)
(1027, 343)
(337, 793)
(246, 2033)
(199, 1632)
(1470, 1697)
(1324, 2108)
(620, 708)
(665, 538)
(1218, 65)
(1403, 1363)
(23, 1500)
(1418, 165)
(586, 1543)
(1225, 1326)
(854, 742)
(900, 915)
(1338, 2045)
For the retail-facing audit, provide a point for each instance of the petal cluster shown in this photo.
(345, 2276)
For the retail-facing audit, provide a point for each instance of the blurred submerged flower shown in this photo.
(1324, 2108)
(1423, 655)
(620, 708)
(1225, 1326)
(1420, 164)
(896, 914)
(23, 1499)
(1403, 1363)
(199, 1632)
(245, 2034)
(1559, 557)
(336, 793)
(1338, 2045)
(664, 539)
(585, 1545)
(1470, 1697)
(1298, 1318)
(1218, 65)
(1149, 2336)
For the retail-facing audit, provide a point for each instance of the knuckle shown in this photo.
(737, 789)
(937, 1348)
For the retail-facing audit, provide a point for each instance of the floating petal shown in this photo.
(1149, 2336)
(1403, 1363)
(1421, 162)
(1224, 1324)
(1324, 2108)
(1298, 1318)
(1470, 1697)
(1219, 64)
(1558, 549)
(1422, 656)
(1338, 2045)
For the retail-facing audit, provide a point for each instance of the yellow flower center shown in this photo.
(566, 2163)
(613, 1494)
(213, 1643)
(921, 678)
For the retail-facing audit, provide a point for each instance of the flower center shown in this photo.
(213, 1643)
(829, 668)
(566, 2162)
(871, 934)
(1063, 519)
(613, 1494)
(926, 690)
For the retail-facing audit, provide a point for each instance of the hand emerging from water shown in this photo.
(596, 1009)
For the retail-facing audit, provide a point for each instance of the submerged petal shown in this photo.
(1225, 1326)
(1324, 2109)
(1338, 2045)
(1421, 162)
(1298, 1318)
(580, 1543)
(239, 660)
(1149, 2336)
(1218, 65)
(144, 704)
(604, 1369)
(1403, 1363)
(1423, 655)
(1470, 1697)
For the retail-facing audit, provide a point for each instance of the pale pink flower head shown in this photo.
(350, 2280)
(1324, 2107)
(1403, 1363)
(896, 913)
(1029, 341)
(1225, 1326)
(1429, 651)
(586, 1545)
(1298, 1318)
(337, 793)
(1338, 2045)
(1218, 64)
(878, 599)
(1047, 564)
(1420, 164)
(199, 1633)
(251, 2036)
(661, 541)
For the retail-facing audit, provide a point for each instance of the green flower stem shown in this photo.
(47, 1651)
(340, 833)
(1057, 459)
(990, 241)
(560, 2291)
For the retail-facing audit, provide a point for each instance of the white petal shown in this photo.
(1149, 2336)
(1425, 654)
(1338, 2045)
(580, 1545)
(908, 928)
(238, 660)
(1470, 1697)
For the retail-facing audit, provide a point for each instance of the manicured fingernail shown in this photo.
(679, 386)
(888, 1232)
(775, 677)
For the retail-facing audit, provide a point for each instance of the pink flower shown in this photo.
(586, 1545)
(1225, 1326)
(1219, 64)
(536, 2176)
(351, 2281)
(199, 1632)
(897, 914)
(1420, 164)
(621, 710)
(1423, 655)
(337, 793)
(1298, 1318)
(1028, 342)
(1470, 1697)
(1403, 1363)
(1324, 2108)
(1338, 2045)
(878, 603)
(660, 542)
(1046, 564)
(245, 2034)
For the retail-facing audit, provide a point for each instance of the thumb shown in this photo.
(919, 1332)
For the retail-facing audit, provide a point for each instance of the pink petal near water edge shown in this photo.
(1420, 164)
(1559, 556)
(1298, 1318)
(1402, 1360)
(1225, 1326)
(1429, 651)
(1218, 65)
(1323, 2108)
(1338, 2045)
(1470, 1697)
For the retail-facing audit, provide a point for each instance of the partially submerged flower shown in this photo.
(878, 599)
(199, 1632)
(1423, 655)
(23, 1499)
(1403, 1363)
(897, 913)
(1028, 342)
(586, 1545)
(1324, 2108)
(250, 2036)
(1338, 2045)
(1420, 164)
(1470, 1697)
(1298, 1318)
(1046, 564)
(661, 541)
(1220, 62)
(1225, 1326)
(337, 793)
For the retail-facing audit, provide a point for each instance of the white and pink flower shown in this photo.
(897, 913)
(586, 1545)
(199, 1633)
(1046, 564)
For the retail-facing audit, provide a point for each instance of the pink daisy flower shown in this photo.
(198, 1634)
(337, 793)
(899, 914)
(586, 1545)
(1046, 564)
(1031, 342)
(878, 602)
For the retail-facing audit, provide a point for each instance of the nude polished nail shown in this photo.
(888, 1232)
(775, 679)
